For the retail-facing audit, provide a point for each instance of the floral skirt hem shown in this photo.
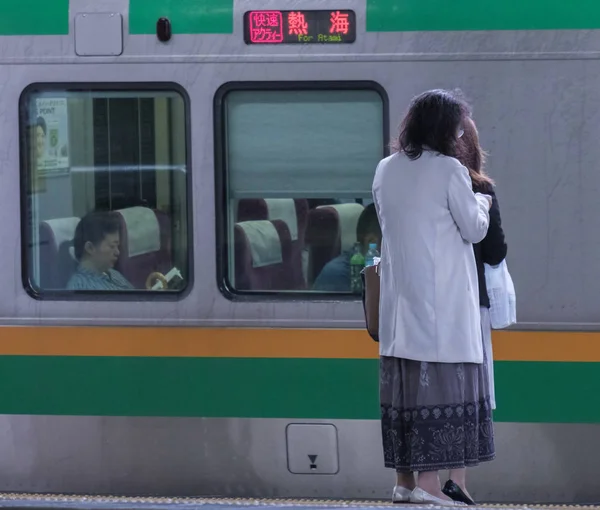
(436, 467)
(435, 416)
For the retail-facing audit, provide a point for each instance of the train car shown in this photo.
(235, 143)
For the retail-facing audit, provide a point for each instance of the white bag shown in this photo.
(501, 292)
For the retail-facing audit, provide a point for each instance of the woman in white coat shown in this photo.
(434, 395)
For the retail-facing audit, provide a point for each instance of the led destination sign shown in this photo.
(300, 27)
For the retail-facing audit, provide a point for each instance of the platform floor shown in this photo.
(44, 501)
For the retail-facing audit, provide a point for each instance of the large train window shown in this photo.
(105, 181)
(295, 165)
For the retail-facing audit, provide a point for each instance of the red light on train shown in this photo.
(266, 27)
(300, 27)
(339, 23)
(297, 24)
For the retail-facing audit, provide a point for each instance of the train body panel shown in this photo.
(238, 457)
(192, 392)
(555, 253)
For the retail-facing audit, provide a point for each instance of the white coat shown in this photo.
(430, 217)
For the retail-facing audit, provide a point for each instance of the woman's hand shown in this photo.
(487, 197)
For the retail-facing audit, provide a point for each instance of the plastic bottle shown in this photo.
(371, 254)
(357, 263)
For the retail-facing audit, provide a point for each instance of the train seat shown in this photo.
(263, 253)
(331, 230)
(57, 259)
(145, 244)
(294, 212)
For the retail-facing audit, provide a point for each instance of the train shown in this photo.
(236, 143)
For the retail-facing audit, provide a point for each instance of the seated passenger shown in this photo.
(335, 276)
(96, 246)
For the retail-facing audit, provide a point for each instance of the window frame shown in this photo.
(222, 180)
(25, 183)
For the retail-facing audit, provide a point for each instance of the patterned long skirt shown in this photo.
(435, 416)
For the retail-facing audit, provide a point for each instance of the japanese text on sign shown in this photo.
(293, 27)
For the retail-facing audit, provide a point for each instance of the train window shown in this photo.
(105, 182)
(296, 168)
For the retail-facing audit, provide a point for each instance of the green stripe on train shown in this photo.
(266, 388)
(34, 17)
(187, 16)
(417, 15)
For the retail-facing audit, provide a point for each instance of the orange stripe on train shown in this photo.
(267, 343)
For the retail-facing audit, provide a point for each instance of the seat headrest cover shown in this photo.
(265, 245)
(143, 230)
(63, 229)
(284, 209)
(348, 215)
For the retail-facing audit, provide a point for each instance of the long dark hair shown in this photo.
(471, 155)
(433, 121)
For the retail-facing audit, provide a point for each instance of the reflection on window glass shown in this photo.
(106, 190)
(300, 165)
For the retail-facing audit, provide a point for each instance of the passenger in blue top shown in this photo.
(335, 276)
(96, 246)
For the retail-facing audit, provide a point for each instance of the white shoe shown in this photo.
(401, 494)
(424, 498)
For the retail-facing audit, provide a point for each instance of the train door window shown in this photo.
(295, 172)
(105, 181)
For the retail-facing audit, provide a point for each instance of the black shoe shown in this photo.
(455, 493)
